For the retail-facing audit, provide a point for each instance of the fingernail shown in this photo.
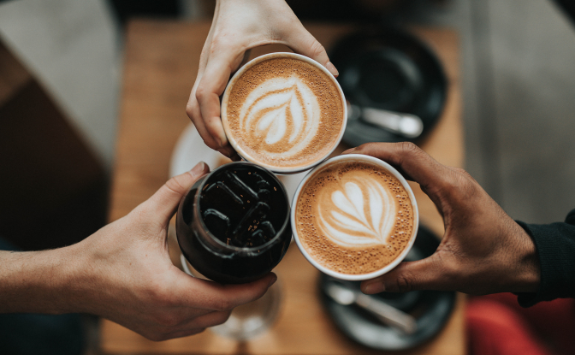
(198, 169)
(374, 287)
(348, 151)
(273, 280)
(332, 69)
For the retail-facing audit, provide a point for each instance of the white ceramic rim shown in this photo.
(388, 267)
(233, 142)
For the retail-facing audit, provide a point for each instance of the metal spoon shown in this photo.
(403, 124)
(384, 312)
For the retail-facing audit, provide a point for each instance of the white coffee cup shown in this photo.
(238, 147)
(391, 170)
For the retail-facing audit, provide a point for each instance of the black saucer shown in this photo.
(389, 69)
(430, 308)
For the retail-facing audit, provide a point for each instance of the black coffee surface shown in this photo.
(243, 206)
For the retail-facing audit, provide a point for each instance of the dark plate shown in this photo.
(389, 69)
(431, 308)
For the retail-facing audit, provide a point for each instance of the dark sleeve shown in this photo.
(555, 244)
(568, 6)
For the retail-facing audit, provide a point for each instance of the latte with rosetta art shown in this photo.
(284, 112)
(354, 217)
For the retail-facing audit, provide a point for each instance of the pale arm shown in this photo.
(123, 272)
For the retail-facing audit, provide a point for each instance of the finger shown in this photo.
(165, 201)
(211, 87)
(426, 274)
(410, 160)
(209, 320)
(182, 333)
(210, 295)
(246, 57)
(193, 107)
(229, 152)
(302, 42)
(193, 111)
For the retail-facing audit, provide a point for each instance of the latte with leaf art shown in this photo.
(283, 113)
(354, 217)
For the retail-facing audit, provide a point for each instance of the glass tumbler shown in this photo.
(233, 226)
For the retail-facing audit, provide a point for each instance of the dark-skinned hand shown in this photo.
(482, 250)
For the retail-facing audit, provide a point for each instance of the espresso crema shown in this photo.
(284, 112)
(354, 217)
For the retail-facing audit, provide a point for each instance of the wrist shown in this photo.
(528, 273)
(36, 282)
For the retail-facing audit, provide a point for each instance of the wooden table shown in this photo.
(160, 67)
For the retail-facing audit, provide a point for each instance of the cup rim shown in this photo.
(373, 274)
(241, 152)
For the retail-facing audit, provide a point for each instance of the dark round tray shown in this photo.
(430, 308)
(389, 69)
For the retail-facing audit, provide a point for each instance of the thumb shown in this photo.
(164, 202)
(302, 42)
(426, 274)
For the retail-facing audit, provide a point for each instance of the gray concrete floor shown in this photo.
(71, 46)
(519, 101)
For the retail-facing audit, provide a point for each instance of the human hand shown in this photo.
(238, 26)
(124, 273)
(482, 251)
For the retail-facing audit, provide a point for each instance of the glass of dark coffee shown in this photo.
(233, 226)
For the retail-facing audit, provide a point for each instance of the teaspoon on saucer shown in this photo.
(403, 124)
(384, 312)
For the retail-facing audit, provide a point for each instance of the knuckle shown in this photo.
(191, 109)
(201, 92)
(451, 271)
(175, 185)
(461, 186)
(212, 126)
(210, 143)
(155, 336)
(404, 282)
(316, 48)
(460, 171)
(167, 319)
(223, 39)
(409, 148)
(366, 148)
(222, 318)
(223, 304)
(464, 174)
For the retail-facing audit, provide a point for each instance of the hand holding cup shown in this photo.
(482, 251)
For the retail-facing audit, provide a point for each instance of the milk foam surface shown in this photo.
(284, 112)
(354, 218)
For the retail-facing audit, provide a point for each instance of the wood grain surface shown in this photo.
(161, 62)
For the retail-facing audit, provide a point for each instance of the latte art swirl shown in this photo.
(361, 213)
(282, 114)
(354, 216)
